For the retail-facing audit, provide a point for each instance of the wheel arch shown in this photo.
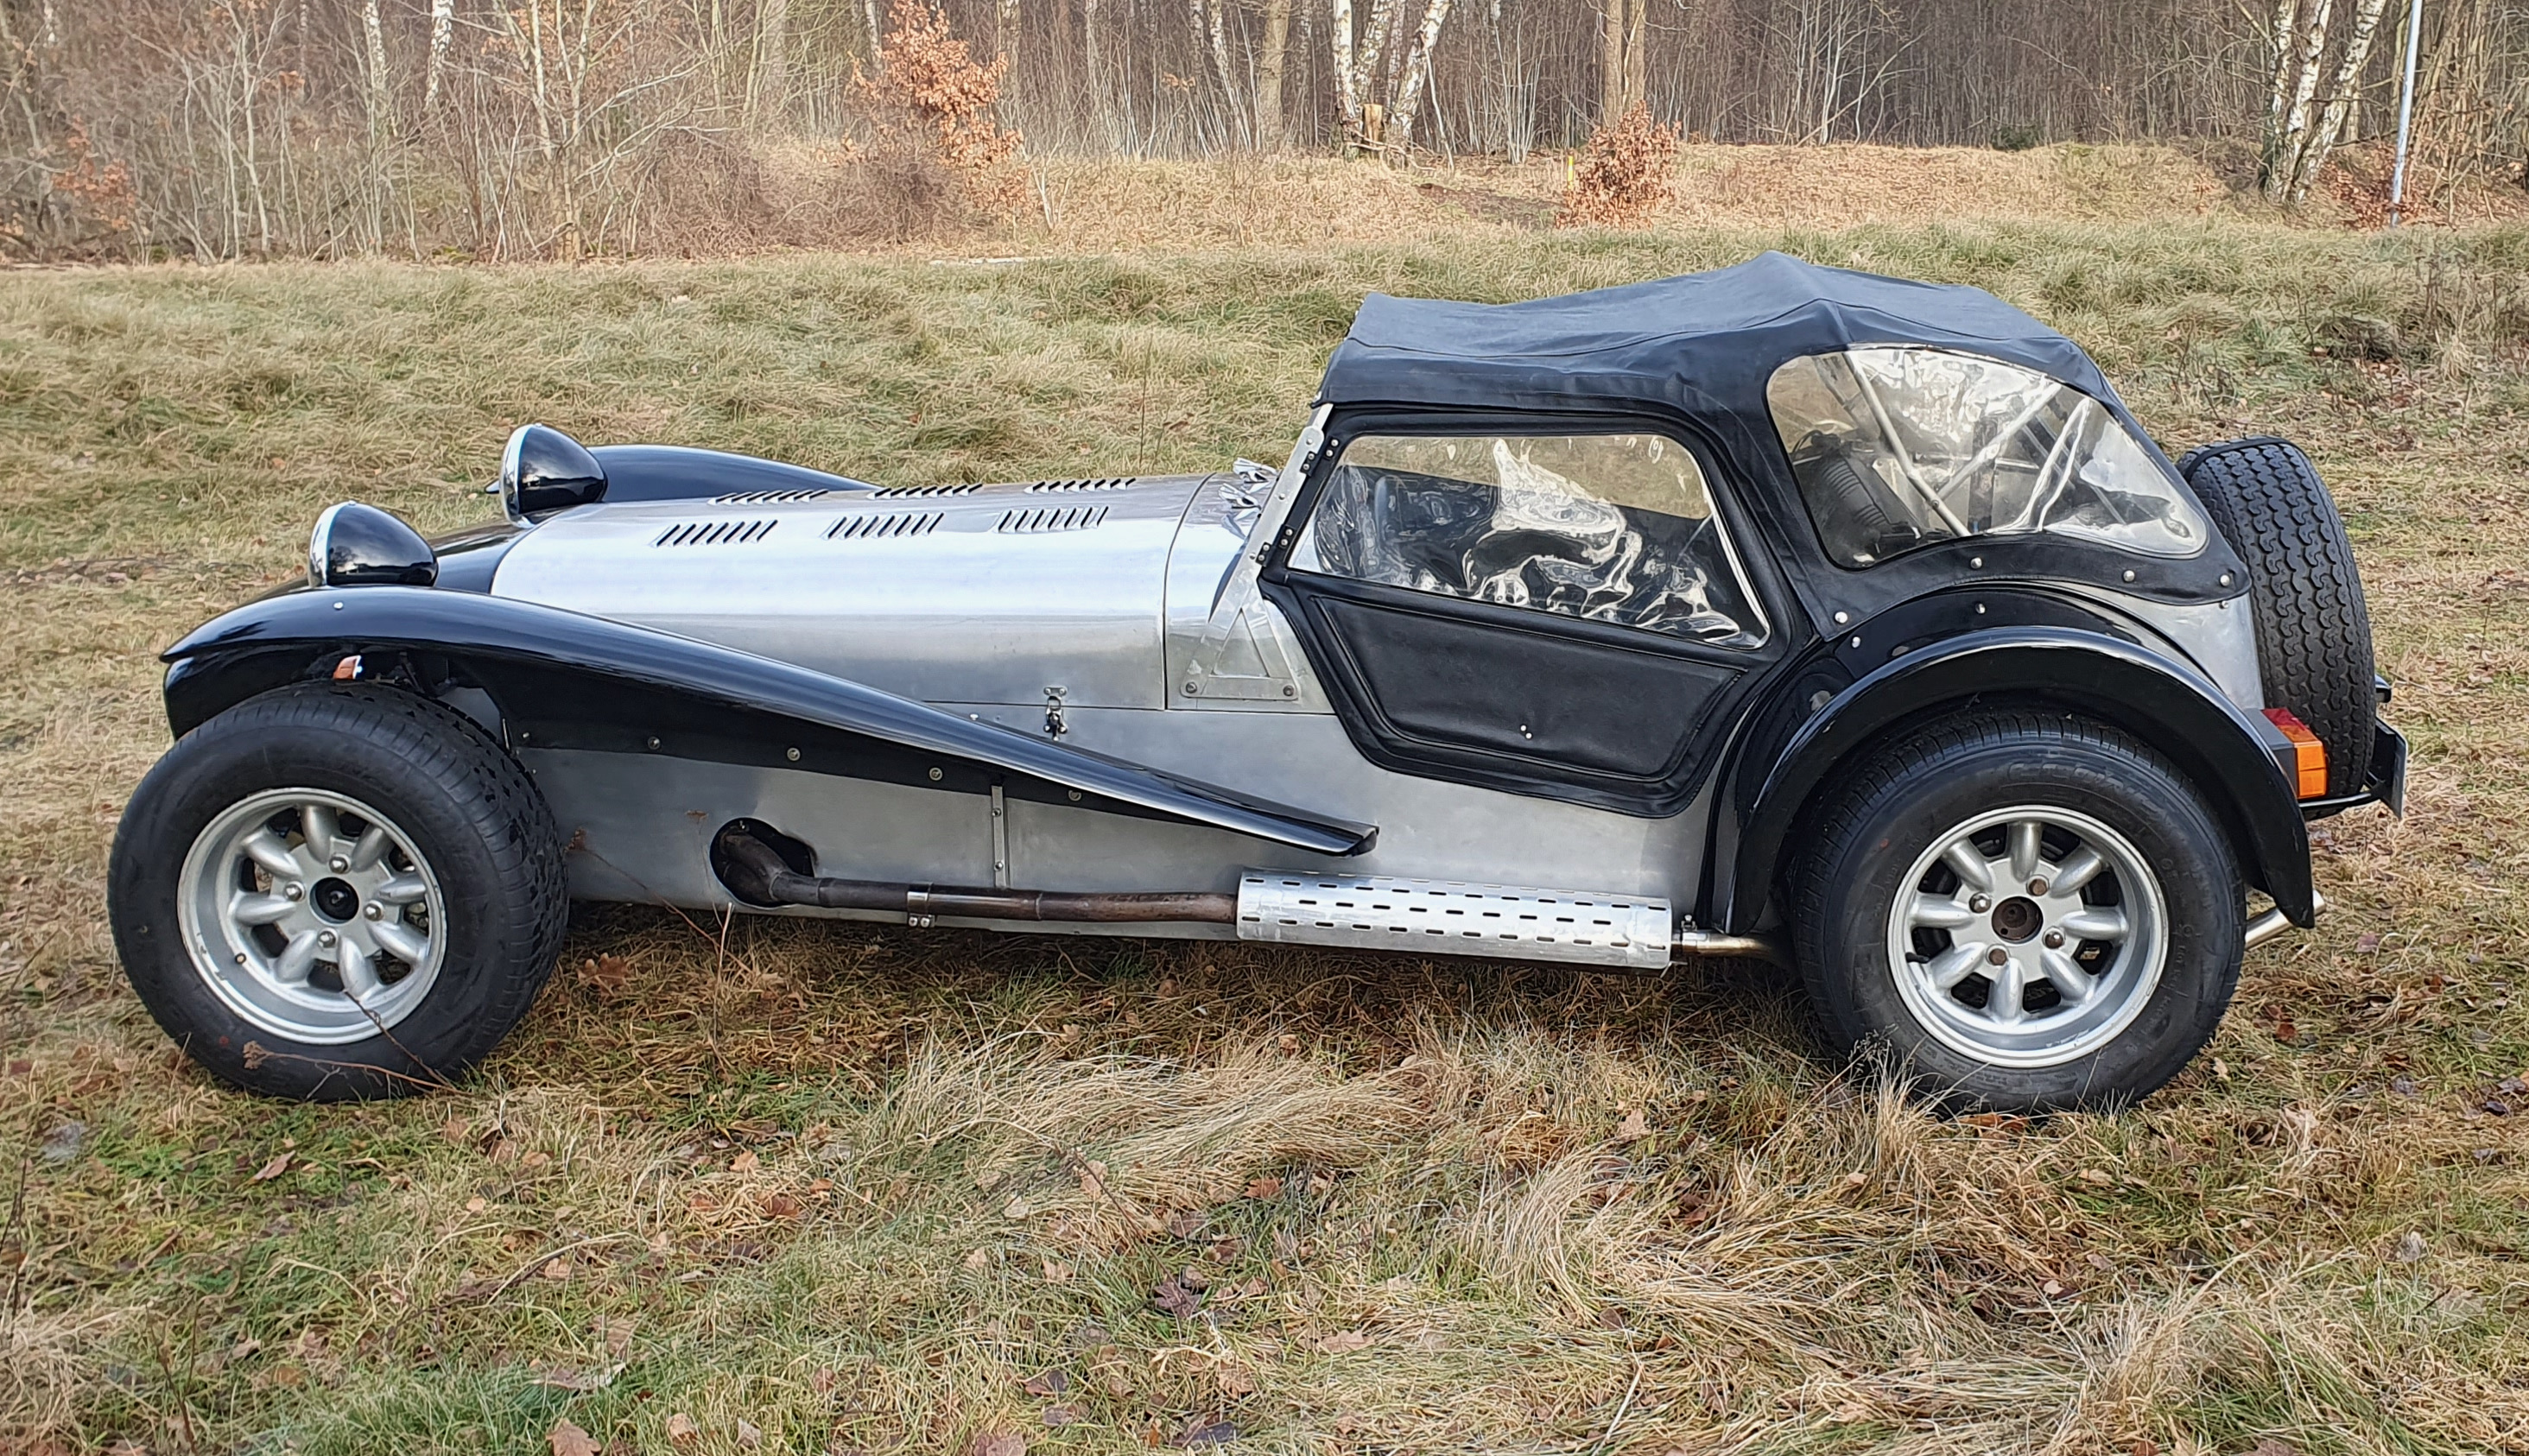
(567, 680)
(2227, 753)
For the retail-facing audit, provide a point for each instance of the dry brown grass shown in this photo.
(856, 1186)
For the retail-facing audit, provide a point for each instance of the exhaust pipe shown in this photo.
(2274, 923)
(756, 872)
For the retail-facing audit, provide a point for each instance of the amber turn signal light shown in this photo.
(2309, 756)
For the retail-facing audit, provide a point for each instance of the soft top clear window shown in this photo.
(1899, 448)
(1607, 527)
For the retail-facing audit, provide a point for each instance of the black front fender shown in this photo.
(2228, 754)
(564, 680)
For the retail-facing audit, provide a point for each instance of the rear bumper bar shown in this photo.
(2384, 782)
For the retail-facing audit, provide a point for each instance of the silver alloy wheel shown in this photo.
(311, 915)
(2027, 937)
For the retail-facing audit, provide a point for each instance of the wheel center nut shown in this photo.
(336, 900)
(2017, 917)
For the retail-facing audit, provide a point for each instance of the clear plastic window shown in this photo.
(1614, 528)
(1899, 448)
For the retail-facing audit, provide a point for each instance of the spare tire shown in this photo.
(2313, 631)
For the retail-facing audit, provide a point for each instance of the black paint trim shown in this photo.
(679, 473)
(564, 680)
(2226, 752)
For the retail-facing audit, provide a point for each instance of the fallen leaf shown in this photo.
(279, 1165)
(683, 1431)
(2364, 945)
(615, 1331)
(2051, 1289)
(1263, 1187)
(781, 1206)
(1213, 1433)
(1175, 1297)
(1633, 1128)
(568, 1378)
(1016, 1209)
(978, 1258)
(748, 1433)
(556, 1270)
(2284, 1031)
(455, 1129)
(1057, 1272)
(998, 1444)
(2221, 1069)
(1185, 1223)
(568, 1440)
(1344, 1343)
(535, 1160)
(2410, 1248)
(1057, 1417)
(475, 1205)
(1234, 1380)
(2097, 1178)
(745, 1161)
(606, 974)
(1051, 1383)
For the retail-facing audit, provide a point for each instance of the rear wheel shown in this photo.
(2313, 628)
(337, 891)
(2028, 912)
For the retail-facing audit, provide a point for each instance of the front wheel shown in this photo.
(337, 891)
(2029, 911)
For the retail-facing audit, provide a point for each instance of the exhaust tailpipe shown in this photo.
(756, 872)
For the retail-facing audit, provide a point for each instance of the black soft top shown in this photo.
(1694, 341)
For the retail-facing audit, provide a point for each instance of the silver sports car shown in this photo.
(1779, 612)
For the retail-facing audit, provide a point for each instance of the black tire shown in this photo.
(472, 815)
(2313, 630)
(1875, 820)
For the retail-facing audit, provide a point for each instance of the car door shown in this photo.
(1549, 607)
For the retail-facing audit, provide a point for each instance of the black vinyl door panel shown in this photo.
(1504, 698)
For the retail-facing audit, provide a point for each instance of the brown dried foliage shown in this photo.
(936, 148)
(1623, 177)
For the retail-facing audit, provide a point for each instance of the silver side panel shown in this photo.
(642, 828)
(990, 593)
(1451, 917)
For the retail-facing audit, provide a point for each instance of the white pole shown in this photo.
(2405, 110)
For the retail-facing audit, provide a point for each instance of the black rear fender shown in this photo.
(564, 679)
(2230, 755)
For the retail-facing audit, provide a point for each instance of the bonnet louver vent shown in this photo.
(902, 492)
(888, 523)
(716, 532)
(769, 496)
(1039, 519)
(1110, 483)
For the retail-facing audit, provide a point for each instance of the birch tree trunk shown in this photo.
(443, 26)
(1347, 75)
(2342, 87)
(1005, 30)
(1417, 71)
(2293, 135)
(1268, 73)
(380, 96)
(772, 60)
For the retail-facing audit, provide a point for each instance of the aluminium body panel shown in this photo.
(642, 828)
(993, 593)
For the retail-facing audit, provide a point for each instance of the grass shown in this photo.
(851, 1188)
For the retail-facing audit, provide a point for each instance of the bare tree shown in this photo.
(2302, 126)
(443, 29)
(1268, 73)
